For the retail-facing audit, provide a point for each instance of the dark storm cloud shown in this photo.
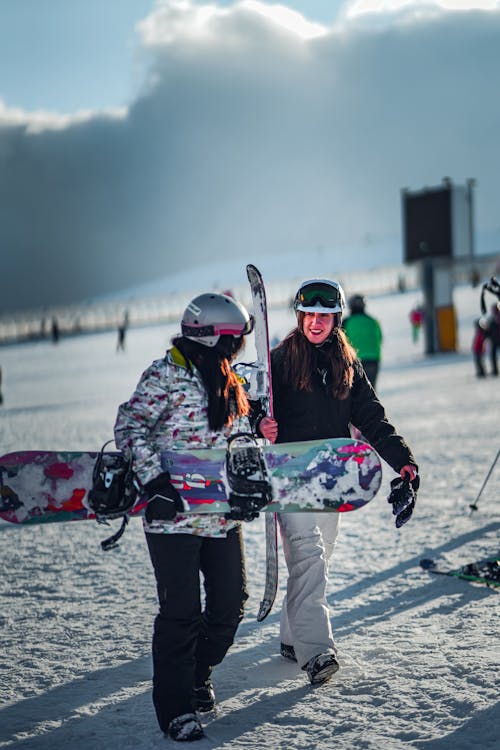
(248, 139)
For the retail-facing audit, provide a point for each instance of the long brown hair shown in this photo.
(226, 398)
(303, 360)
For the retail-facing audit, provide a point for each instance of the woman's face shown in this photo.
(317, 326)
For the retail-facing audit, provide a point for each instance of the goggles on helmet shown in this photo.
(219, 329)
(319, 294)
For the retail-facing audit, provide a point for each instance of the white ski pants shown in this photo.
(308, 540)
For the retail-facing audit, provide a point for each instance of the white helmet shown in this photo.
(319, 295)
(210, 316)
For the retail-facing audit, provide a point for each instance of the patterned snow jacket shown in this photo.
(168, 410)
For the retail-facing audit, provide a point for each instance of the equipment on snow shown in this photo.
(483, 571)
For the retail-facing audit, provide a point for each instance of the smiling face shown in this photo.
(317, 326)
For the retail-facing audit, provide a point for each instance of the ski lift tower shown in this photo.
(437, 233)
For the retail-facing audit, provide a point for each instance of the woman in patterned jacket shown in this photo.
(189, 399)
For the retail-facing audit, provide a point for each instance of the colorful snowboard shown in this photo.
(335, 475)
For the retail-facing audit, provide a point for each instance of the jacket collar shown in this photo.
(177, 357)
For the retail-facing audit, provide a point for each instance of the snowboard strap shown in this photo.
(112, 541)
(246, 469)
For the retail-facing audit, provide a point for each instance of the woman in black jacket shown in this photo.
(319, 390)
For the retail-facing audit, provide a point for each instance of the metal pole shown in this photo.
(429, 305)
(473, 506)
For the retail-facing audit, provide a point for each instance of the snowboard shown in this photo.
(335, 475)
(483, 571)
(265, 393)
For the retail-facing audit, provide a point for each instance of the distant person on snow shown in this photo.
(365, 335)
(55, 331)
(479, 346)
(319, 389)
(190, 399)
(122, 332)
(493, 333)
(416, 320)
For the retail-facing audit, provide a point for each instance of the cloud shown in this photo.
(382, 7)
(257, 132)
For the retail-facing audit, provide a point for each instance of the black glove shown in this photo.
(243, 508)
(402, 498)
(164, 502)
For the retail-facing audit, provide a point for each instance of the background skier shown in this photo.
(365, 334)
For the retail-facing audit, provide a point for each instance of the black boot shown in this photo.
(287, 652)
(204, 697)
(185, 728)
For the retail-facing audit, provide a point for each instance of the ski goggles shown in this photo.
(219, 329)
(320, 294)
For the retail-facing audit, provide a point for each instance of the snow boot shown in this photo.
(321, 668)
(287, 652)
(185, 728)
(204, 697)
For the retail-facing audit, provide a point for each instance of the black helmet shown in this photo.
(357, 303)
(210, 316)
(319, 295)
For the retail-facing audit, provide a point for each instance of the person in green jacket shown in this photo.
(365, 334)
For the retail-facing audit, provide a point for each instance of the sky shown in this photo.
(139, 138)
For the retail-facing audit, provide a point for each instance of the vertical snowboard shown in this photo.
(266, 394)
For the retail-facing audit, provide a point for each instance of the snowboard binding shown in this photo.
(113, 492)
(247, 476)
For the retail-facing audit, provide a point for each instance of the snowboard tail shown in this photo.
(338, 474)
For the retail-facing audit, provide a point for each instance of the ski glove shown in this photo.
(402, 498)
(244, 508)
(164, 502)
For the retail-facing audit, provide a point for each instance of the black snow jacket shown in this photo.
(315, 415)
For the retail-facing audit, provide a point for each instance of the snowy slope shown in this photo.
(419, 654)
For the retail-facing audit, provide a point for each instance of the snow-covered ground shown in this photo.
(419, 653)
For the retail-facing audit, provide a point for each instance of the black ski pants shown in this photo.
(188, 639)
